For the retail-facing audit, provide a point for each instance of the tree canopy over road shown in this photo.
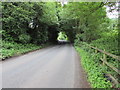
(40, 22)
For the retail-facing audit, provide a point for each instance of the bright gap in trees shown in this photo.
(62, 38)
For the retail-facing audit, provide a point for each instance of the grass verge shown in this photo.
(94, 69)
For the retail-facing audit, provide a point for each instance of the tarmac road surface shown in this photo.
(53, 67)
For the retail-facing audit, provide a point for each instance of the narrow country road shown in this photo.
(53, 67)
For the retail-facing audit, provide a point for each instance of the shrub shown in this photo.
(24, 38)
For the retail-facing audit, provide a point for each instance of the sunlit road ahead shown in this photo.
(52, 67)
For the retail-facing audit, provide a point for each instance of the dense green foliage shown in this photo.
(24, 23)
(40, 22)
(28, 24)
(94, 69)
(10, 49)
(85, 22)
(92, 64)
(109, 43)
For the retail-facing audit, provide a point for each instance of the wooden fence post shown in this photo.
(104, 62)
(95, 50)
(104, 58)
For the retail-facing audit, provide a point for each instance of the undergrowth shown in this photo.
(93, 69)
(108, 42)
(10, 49)
(91, 60)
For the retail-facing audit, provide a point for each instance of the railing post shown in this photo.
(95, 50)
(104, 62)
(104, 57)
